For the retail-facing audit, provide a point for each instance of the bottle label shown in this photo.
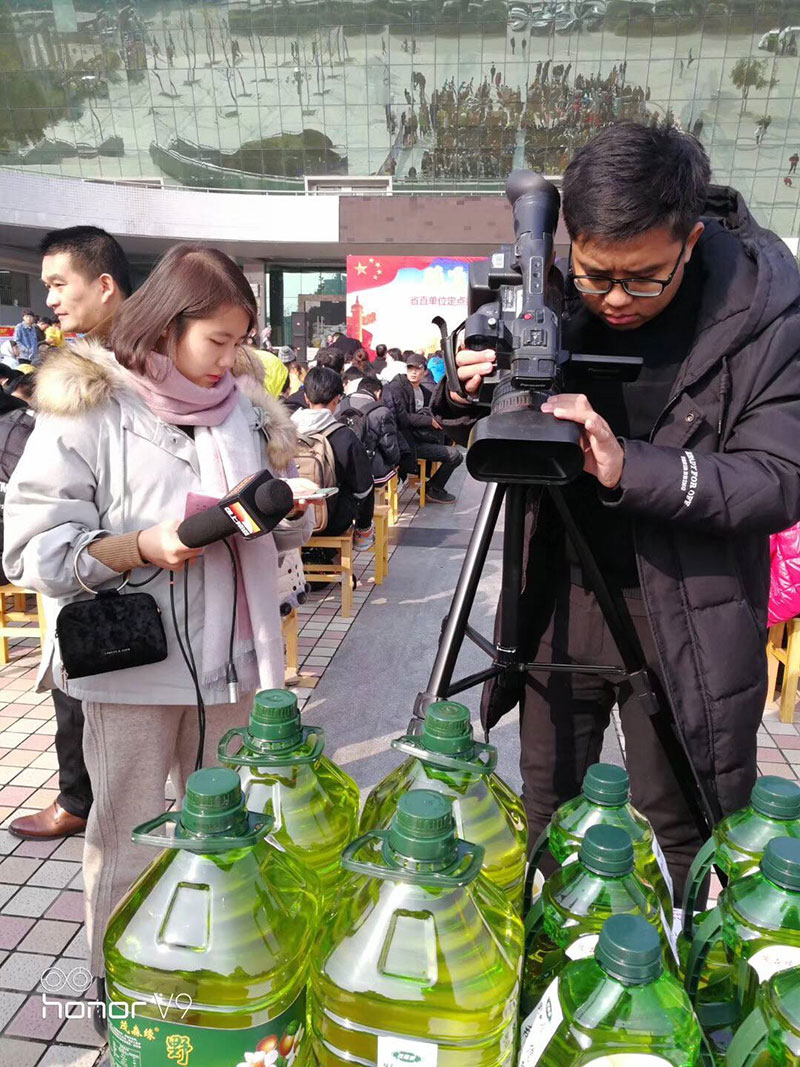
(671, 936)
(146, 1042)
(661, 860)
(538, 885)
(582, 948)
(773, 959)
(398, 1051)
(538, 1029)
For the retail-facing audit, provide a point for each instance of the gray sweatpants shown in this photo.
(129, 751)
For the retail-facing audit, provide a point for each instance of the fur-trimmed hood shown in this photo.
(75, 380)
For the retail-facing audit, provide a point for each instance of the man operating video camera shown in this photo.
(687, 471)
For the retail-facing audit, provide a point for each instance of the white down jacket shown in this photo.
(99, 461)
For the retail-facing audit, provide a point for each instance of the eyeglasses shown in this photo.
(600, 285)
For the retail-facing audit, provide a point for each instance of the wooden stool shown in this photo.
(19, 614)
(389, 496)
(420, 479)
(380, 549)
(787, 633)
(290, 630)
(334, 572)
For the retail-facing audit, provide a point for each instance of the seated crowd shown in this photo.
(362, 421)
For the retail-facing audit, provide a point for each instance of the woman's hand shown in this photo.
(161, 546)
(299, 509)
(603, 454)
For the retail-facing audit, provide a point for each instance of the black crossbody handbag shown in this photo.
(110, 632)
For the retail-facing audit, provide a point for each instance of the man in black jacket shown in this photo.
(687, 472)
(382, 440)
(421, 433)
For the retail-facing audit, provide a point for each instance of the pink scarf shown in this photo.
(179, 402)
(226, 453)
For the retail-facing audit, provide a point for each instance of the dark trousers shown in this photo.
(348, 511)
(450, 458)
(73, 779)
(365, 511)
(564, 717)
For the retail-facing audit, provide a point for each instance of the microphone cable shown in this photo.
(201, 707)
(187, 651)
(188, 658)
(231, 677)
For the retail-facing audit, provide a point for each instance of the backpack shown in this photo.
(357, 419)
(314, 459)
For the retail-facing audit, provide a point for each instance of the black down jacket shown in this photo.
(383, 444)
(720, 473)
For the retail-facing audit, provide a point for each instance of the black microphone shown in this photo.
(252, 508)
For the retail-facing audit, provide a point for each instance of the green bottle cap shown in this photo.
(607, 784)
(775, 797)
(607, 851)
(781, 862)
(275, 720)
(423, 828)
(629, 950)
(214, 802)
(447, 729)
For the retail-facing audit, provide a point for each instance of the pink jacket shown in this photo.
(784, 592)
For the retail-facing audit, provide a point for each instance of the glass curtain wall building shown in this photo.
(439, 94)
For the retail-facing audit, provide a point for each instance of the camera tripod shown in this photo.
(506, 651)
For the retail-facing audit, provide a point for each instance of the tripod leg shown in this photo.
(513, 550)
(461, 606)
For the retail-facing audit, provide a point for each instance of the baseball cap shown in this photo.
(416, 359)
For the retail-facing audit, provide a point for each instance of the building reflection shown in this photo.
(439, 94)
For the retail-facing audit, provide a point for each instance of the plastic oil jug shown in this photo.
(565, 922)
(619, 1008)
(770, 1035)
(736, 847)
(207, 956)
(445, 758)
(605, 798)
(284, 774)
(420, 962)
(758, 918)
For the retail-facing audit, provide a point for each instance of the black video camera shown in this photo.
(515, 307)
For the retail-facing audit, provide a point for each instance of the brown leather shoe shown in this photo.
(52, 822)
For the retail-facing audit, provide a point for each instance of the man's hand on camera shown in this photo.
(604, 456)
(473, 367)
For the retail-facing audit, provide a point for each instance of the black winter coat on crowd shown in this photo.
(720, 473)
(383, 442)
(413, 425)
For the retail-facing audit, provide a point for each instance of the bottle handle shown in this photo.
(434, 879)
(293, 757)
(484, 763)
(260, 826)
(699, 870)
(747, 1039)
(708, 931)
(539, 850)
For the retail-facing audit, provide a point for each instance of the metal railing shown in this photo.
(414, 188)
